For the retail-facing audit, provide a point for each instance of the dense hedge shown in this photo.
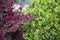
(46, 24)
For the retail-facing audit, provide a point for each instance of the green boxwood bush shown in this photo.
(46, 23)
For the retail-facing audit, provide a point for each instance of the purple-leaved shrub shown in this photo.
(11, 21)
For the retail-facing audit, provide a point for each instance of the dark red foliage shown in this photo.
(11, 21)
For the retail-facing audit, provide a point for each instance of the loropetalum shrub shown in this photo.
(11, 21)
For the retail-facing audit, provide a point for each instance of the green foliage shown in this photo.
(46, 24)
